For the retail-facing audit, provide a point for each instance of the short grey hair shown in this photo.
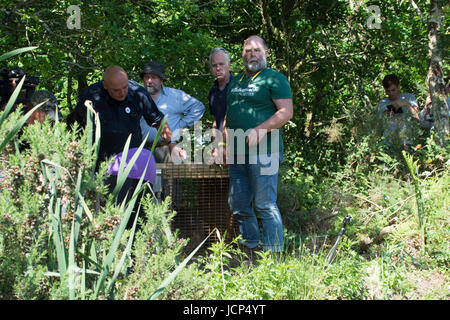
(259, 38)
(215, 50)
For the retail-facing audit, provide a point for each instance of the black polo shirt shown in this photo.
(218, 102)
(118, 119)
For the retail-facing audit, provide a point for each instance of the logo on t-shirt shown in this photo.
(249, 91)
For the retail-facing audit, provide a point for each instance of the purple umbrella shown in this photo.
(138, 167)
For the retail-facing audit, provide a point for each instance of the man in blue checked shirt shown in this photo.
(182, 110)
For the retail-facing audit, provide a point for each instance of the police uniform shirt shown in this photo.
(118, 119)
(218, 102)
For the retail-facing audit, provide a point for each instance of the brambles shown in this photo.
(62, 236)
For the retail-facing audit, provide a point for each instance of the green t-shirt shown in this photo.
(250, 103)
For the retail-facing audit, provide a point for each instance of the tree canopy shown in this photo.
(334, 52)
(62, 233)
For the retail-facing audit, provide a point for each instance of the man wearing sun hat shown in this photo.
(182, 110)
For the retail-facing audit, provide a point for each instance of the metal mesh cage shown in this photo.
(199, 195)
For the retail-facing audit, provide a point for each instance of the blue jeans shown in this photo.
(253, 191)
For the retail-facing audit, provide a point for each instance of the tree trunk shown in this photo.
(435, 73)
(82, 82)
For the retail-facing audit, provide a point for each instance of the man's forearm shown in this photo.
(194, 110)
(279, 118)
(166, 133)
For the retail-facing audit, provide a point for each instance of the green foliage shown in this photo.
(156, 252)
(379, 257)
(414, 171)
(62, 236)
(297, 276)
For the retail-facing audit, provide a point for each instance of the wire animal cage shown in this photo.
(199, 195)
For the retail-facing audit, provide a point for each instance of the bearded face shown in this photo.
(254, 64)
(152, 83)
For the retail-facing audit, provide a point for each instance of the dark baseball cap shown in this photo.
(154, 68)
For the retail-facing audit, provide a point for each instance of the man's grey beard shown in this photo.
(153, 90)
(255, 67)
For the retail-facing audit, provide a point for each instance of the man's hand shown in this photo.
(403, 103)
(283, 114)
(400, 103)
(166, 133)
(255, 136)
(177, 154)
(218, 155)
(427, 105)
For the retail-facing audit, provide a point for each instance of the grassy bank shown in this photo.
(62, 234)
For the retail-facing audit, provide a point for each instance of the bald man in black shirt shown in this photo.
(120, 103)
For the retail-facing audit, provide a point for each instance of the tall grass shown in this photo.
(13, 99)
(63, 236)
(414, 171)
(87, 266)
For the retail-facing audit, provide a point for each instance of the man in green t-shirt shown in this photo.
(259, 104)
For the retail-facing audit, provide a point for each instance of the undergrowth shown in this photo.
(390, 250)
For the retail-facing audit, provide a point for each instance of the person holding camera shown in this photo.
(398, 108)
(9, 79)
(28, 96)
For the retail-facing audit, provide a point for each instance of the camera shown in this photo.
(8, 81)
(391, 108)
